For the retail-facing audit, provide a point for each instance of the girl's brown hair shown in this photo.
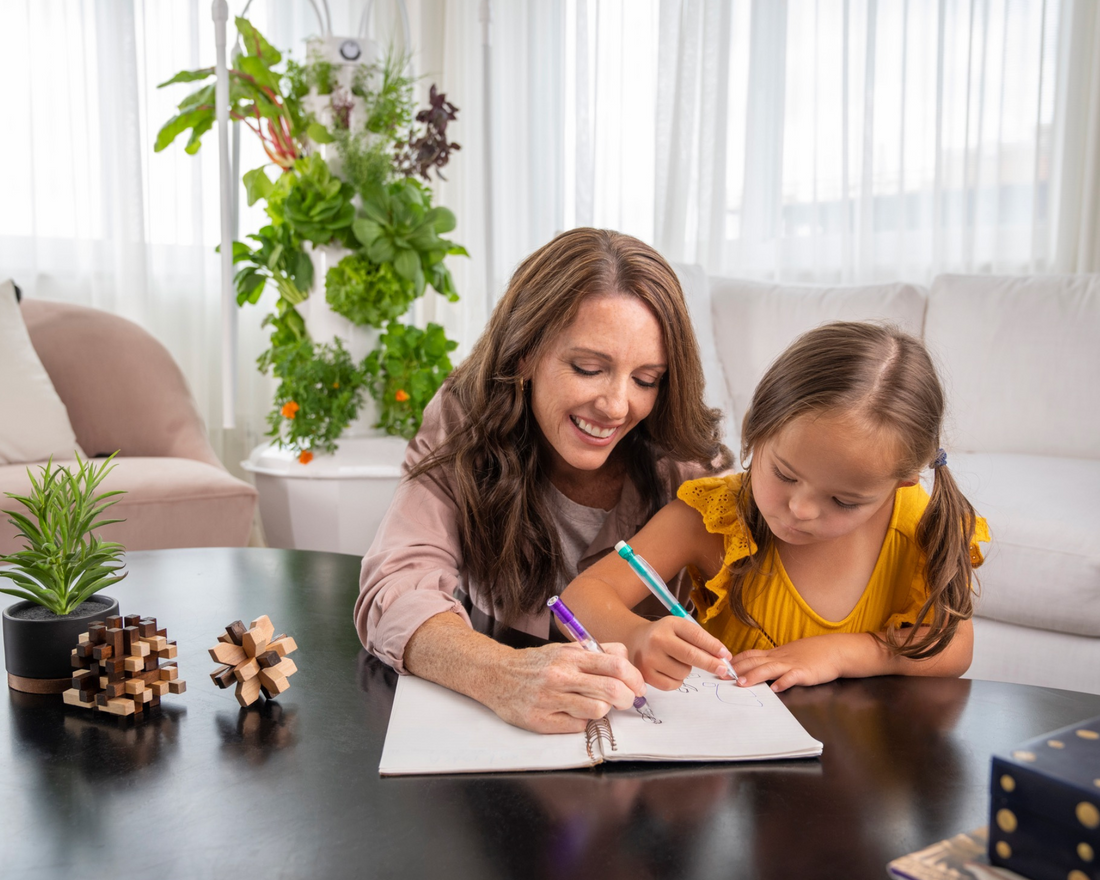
(886, 379)
(509, 543)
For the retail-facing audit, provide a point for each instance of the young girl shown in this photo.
(825, 558)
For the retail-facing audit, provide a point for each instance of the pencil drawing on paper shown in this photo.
(726, 691)
(647, 713)
(686, 688)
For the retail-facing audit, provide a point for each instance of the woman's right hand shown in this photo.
(665, 650)
(558, 688)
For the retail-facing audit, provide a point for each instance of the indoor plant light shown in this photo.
(57, 574)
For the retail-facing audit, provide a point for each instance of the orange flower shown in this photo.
(305, 457)
(401, 396)
(289, 409)
(335, 384)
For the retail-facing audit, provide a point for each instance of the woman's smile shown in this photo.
(591, 430)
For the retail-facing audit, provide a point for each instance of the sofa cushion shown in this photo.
(121, 387)
(697, 294)
(169, 502)
(1020, 357)
(1042, 568)
(1006, 652)
(756, 321)
(34, 423)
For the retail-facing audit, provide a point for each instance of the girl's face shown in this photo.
(822, 477)
(597, 380)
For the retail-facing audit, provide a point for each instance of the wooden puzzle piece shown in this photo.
(259, 634)
(254, 658)
(116, 666)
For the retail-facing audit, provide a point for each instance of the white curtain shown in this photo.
(856, 140)
(1077, 164)
(802, 140)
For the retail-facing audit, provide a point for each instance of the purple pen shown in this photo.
(580, 635)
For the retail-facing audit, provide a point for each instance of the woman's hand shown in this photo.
(559, 688)
(664, 651)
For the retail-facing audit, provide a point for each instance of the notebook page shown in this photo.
(434, 730)
(711, 719)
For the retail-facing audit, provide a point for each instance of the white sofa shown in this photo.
(1020, 360)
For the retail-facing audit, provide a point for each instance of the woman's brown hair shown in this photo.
(887, 380)
(510, 546)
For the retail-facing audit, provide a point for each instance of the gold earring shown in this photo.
(522, 386)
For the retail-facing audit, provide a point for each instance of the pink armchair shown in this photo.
(124, 391)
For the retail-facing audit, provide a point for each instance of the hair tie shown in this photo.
(941, 458)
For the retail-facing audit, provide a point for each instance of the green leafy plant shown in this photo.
(367, 162)
(256, 98)
(401, 227)
(320, 392)
(318, 205)
(347, 285)
(63, 562)
(388, 103)
(301, 78)
(366, 200)
(406, 371)
(277, 258)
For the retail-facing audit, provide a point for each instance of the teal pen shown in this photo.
(660, 589)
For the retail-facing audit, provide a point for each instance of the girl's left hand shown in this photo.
(813, 660)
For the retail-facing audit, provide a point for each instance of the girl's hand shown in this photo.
(813, 660)
(664, 651)
(559, 688)
(818, 659)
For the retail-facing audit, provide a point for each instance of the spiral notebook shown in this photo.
(435, 730)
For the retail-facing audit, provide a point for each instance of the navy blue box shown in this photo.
(1044, 806)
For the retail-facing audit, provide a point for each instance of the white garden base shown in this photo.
(335, 502)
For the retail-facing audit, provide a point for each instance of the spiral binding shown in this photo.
(599, 730)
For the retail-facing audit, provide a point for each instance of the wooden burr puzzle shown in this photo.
(117, 666)
(254, 660)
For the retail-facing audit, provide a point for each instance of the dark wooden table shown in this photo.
(291, 788)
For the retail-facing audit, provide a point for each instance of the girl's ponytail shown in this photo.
(945, 532)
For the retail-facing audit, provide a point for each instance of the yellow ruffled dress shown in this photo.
(893, 596)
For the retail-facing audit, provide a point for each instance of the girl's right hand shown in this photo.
(666, 650)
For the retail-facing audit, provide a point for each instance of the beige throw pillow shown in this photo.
(34, 423)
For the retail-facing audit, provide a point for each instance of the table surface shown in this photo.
(291, 788)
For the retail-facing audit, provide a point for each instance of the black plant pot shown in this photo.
(38, 646)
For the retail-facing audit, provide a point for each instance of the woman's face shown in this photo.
(597, 380)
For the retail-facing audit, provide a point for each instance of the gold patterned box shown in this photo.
(1044, 807)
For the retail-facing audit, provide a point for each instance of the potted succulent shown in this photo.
(350, 222)
(59, 572)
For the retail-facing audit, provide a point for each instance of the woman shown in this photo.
(574, 419)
